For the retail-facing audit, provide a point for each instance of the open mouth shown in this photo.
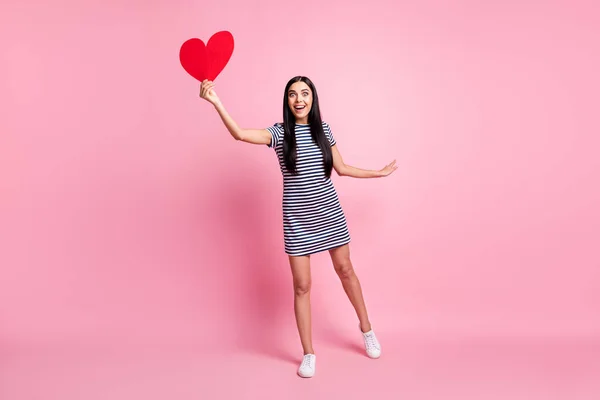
(299, 108)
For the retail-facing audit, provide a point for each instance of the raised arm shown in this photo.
(254, 136)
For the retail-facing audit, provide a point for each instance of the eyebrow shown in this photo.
(293, 91)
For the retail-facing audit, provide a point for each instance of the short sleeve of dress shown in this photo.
(329, 134)
(276, 134)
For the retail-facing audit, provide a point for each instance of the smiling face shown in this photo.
(300, 100)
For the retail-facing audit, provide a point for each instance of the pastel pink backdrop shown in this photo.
(131, 217)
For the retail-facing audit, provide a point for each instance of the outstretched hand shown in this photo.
(388, 169)
(207, 92)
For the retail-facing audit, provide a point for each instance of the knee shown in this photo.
(302, 288)
(344, 269)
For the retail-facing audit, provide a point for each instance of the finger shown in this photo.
(208, 87)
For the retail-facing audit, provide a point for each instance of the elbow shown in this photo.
(341, 171)
(238, 136)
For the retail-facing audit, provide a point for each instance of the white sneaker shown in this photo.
(307, 368)
(372, 345)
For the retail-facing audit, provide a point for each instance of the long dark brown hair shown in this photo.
(316, 129)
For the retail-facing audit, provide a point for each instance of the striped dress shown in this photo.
(313, 219)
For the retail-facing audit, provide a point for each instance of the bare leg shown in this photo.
(343, 267)
(302, 283)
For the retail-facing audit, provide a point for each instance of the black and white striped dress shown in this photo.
(313, 219)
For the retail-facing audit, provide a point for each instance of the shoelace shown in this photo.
(370, 339)
(307, 361)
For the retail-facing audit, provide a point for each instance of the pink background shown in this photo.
(130, 217)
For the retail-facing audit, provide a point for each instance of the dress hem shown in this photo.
(318, 251)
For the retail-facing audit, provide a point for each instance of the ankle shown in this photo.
(366, 327)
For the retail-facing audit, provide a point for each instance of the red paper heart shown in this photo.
(206, 62)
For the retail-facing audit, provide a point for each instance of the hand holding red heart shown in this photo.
(207, 92)
(206, 62)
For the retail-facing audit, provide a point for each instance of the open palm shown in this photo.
(388, 169)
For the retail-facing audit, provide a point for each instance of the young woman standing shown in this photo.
(313, 219)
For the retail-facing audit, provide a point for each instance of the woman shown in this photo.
(313, 219)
